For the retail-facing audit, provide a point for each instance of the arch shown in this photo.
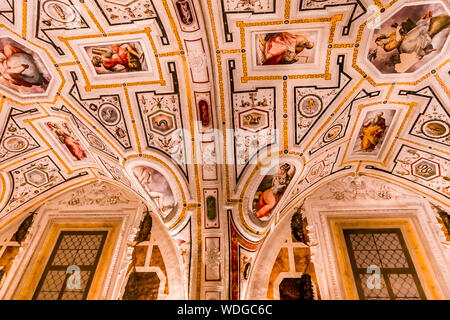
(355, 198)
(288, 169)
(105, 206)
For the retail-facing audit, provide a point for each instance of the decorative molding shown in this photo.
(97, 193)
(359, 187)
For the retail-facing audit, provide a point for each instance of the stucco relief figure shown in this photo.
(283, 48)
(19, 69)
(66, 137)
(271, 189)
(157, 187)
(117, 58)
(371, 132)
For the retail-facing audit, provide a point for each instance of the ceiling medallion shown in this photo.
(435, 129)
(15, 143)
(109, 114)
(332, 133)
(59, 11)
(310, 106)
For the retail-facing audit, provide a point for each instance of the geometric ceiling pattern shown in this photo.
(221, 114)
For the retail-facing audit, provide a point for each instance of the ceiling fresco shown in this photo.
(221, 115)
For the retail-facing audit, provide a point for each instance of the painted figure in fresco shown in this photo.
(413, 40)
(371, 132)
(273, 190)
(156, 187)
(283, 48)
(70, 142)
(19, 68)
(120, 58)
(204, 113)
(311, 106)
(184, 9)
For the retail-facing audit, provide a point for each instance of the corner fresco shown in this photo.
(21, 69)
(157, 188)
(410, 38)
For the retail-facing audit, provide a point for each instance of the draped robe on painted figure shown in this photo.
(120, 58)
(372, 131)
(283, 48)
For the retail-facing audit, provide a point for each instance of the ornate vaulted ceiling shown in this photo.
(186, 103)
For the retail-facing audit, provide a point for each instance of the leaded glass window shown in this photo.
(382, 252)
(71, 267)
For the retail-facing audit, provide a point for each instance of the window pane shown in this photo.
(378, 293)
(381, 264)
(81, 249)
(403, 286)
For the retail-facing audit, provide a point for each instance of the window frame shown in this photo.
(385, 272)
(49, 267)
